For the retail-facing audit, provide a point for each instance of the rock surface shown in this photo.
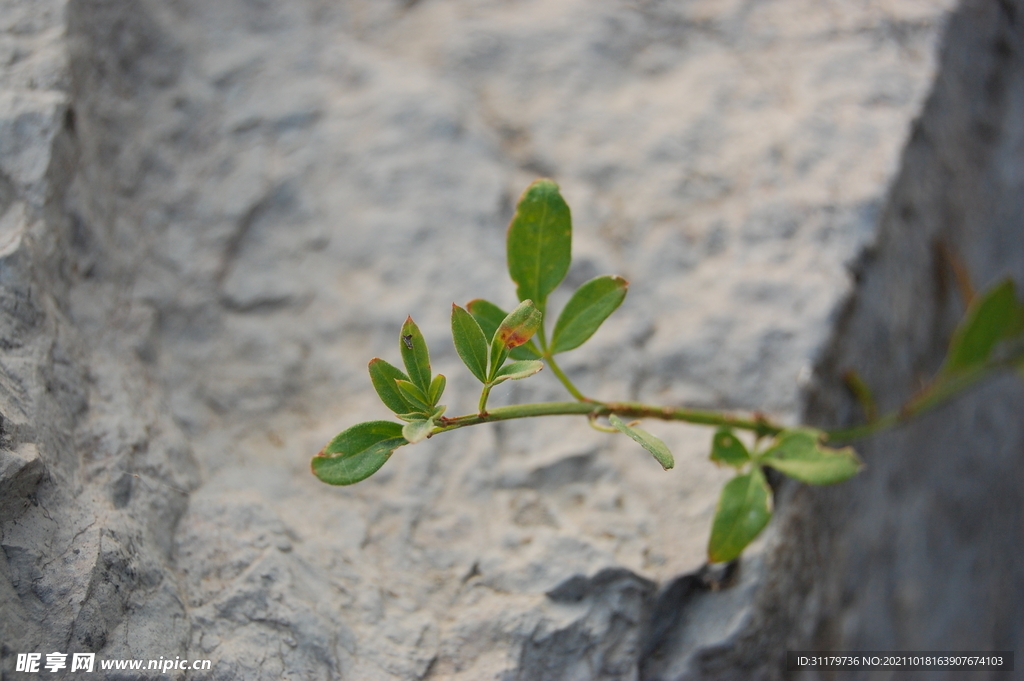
(213, 214)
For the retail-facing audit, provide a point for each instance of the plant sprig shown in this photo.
(990, 338)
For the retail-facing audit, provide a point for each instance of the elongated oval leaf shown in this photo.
(539, 242)
(517, 370)
(728, 449)
(470, 342)
(415, 431)
(436, 389)
(416, 397)
(990, 318)
(358, 452)
(586, 310)
(516, 329)
(799, 454)
(415, 355)
(383, 376)
(649, 442)
(743, 511)
(490, 316)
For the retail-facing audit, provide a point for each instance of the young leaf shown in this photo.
(990, 318)
(436, 389)
(470, 342)
(728, 449)
(490, 316)
(415, 431)
(414, 354)
(358, 452)
(383, 376)
(649, 442)
(799, 454)
(517, 370)
(415, 396)
(515, 330)
(743, 511)
(539, 242)
(589, 306)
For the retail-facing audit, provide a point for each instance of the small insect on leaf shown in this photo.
(649, 442)
(727, 449)
(743, 511)
(357, 452)
(799, 454)
(415, 355)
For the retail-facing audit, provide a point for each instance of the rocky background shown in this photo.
(213, 214)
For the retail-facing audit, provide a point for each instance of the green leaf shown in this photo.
(436, 389)
(490, 316)
(799, 454)
(415, 355)
(589, 306)
(415, 396)
(539, 242)
(728, 449)
(517, 370)
(415, 431)
(990, 318)
(515, 330)
(470, 342)
(383, 376)
(358, 452)
(649, 442)
(743, 511)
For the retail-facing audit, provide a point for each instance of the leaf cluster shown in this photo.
(486, 338)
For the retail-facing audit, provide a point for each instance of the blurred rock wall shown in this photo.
(212, 215)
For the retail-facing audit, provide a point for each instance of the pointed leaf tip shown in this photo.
(383, 376)
(727, 449)
(743, 511)
(589, 306)
(357, 452)
(991, 317)
(650, 442)
(539, 243)
(414, 354)
(490, 317)
(518, 370)
(799, 454)
(516, 329)
(470, 342)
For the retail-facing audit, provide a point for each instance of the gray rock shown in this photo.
(915, 553)
(213, 214)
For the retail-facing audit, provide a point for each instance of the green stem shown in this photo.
(483, 398)
(541, 338)
(573, 390)
(938, 392)
(757, 424)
